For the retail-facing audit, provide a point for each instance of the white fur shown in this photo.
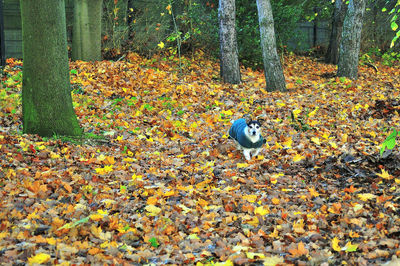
(250, 152)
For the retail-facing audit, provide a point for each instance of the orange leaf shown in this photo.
(275, 201)
(351, 189)
(299, 251)
(152, 200)
(313, 192)
(94, 251)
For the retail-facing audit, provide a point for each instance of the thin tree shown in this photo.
(351, 40)
(339, 13)
(86, 32)
(272, 65)
(229, 65)
(46, 95)
(2, 43)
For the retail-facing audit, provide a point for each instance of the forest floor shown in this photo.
(156, 180)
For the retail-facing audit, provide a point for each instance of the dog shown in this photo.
(247, 136)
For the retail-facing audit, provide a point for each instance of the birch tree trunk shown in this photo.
(46, 90)
(339, 13)
(229, 64)
(351, 40)
(272, 65)
(86, 33)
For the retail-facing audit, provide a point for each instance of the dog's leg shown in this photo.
(257, 152)
(246, 153)
(238, 146)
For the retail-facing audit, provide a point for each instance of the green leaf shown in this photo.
(153, 241)
(384, 9)
(74, 71)
(69, 225)
(389, 142)
(394, 25)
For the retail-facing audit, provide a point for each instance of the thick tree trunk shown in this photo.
(351, 40)
(46, 94)
(230, 69)
(272, 65)
(86, 34)
(339, 13)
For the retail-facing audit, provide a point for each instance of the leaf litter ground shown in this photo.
(164, 185)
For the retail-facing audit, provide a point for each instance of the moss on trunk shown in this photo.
(46, 95)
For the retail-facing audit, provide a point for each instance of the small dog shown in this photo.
(247, 136)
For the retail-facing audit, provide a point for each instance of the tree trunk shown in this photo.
(86, 33)
(339, 12)
(2, 43)
(351, 40)
(272, 65)
(46, 95)
(229, 65)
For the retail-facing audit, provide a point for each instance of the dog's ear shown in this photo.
(261, 121)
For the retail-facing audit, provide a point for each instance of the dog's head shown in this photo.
(253, 128)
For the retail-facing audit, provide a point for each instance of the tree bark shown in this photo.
(339, 13)
(86, 33)
(351, 40)
(46, 95)
(2, 43)
(274, 77)
(229, 65)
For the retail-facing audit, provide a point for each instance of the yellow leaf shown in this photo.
(288, 143)
(54, 155)
(134, 177)
(242, 165)
(296, 113)
(3, 234)
(335, 244)
(298, 157)
(316, 140)
(152, 210)
(333, 144)
(169, 193)
(261, 210)
(272, 261)
(227, 113)
(366, 196)
(51, 241)
(250, 198)
(193, 236)
(96, 217)
(254, 222)
(326, 135)
(311, 114)
(101, 157)
(252, 255)
(39, 258)
(161, 45)
(280, 104)
(385, 175)
(274, 234)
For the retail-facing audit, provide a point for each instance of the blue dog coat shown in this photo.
(237, 132)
